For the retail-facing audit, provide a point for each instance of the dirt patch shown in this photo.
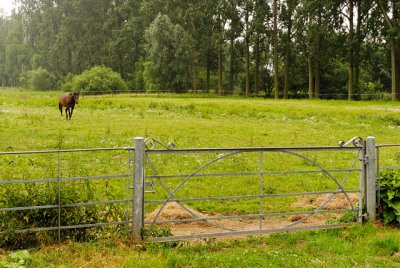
(396, 255)
(174, 211)
(338, 201)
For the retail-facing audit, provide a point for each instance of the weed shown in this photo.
(386, 245)
(18, 259)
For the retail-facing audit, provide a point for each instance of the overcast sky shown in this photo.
(6, 6)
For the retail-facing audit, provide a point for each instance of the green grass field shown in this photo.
(31, 121)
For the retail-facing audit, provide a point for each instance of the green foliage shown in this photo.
(137, 81)
(168, 47)
(19, 259)
(39, 195)
(156, 232)
(150, 77)
(71, 36)
(99, 79)
(39, 79)
(390, 197)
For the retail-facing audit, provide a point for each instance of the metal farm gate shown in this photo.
(166, 194)
(61, 190)
(183, 194)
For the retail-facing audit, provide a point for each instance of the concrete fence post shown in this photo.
(138, 190)
(370, 189)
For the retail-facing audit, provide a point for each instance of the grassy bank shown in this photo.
(366, 246)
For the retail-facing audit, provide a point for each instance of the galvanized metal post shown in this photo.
(138, 190)
(370, 194)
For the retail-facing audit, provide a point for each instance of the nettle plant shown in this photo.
(390, 197)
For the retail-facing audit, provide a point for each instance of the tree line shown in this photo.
(345, 49)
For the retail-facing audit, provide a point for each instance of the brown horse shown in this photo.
(68, 101)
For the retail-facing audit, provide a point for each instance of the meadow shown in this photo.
(31, 121)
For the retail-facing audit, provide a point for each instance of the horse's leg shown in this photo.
(66, 112)
(72, 110)
(60, 107)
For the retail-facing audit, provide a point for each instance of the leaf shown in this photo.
(388, 216)
(396, 207)
(6, 264)
(21, 255)
(390, 194)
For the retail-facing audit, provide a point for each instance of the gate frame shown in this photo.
(368, 173)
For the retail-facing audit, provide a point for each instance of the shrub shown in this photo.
(99, 79)
(390, 197)
(39, 79)
(41, 195)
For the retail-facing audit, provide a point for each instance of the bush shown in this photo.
(390, 197)
(99, 79)
(39, 79)
(41, 195)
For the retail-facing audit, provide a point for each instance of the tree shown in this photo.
(233, 31)
(168, 47)
(393, 7)
(287, 14)
(276, 67)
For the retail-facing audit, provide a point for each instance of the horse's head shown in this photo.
(76, 97)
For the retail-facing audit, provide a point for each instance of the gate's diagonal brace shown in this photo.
(171, 195)
(340, 188)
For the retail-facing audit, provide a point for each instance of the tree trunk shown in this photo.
(194, 55)
(392, 25)
(247, 54)
(276, 75)
(220, 44)
(195, 78)
(310, 77)
(395, 91)
(395, 53)
(317, 85)
(257, 65)
(232, 55)
(358, 41)
(208, 71)
(287, 59)
(220, 89)
(351, 50)
(317, 81)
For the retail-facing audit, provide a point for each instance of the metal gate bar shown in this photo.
(59, 179)
(359, 147)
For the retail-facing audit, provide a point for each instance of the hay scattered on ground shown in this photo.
(339, 201)
(174, 211)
